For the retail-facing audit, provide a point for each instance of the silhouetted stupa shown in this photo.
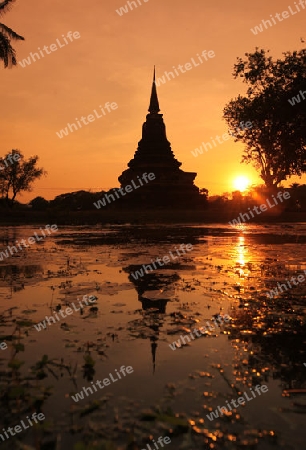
(171, 186)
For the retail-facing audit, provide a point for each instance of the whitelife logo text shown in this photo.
(279, 16)
(101, 384)
(53, 47)
(264, 207)
(71, 127)
(19, 429)
(177, 71)
(221, 139)
(128, 188)
(43, 325)
(295, 100)
(140, 273)
(131, 5)
(198, 332)
(241, 401)
(279, 289)
(31, 240)
(9, 160)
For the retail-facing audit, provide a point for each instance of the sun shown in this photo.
(241, 183)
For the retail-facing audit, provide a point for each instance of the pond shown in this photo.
(107, 349)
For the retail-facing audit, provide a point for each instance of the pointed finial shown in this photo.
(154, 105)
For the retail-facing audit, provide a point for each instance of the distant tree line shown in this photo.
(83, 201)
(258, 195)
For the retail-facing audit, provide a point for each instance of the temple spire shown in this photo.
(154, 105)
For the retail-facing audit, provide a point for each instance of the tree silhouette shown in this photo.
(17, 175)
(276, 142)
(7, 52)
(39, 204)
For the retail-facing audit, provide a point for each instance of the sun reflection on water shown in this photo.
(241, 251)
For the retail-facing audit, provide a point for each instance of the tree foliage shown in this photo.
(7, 52)
(39, 204)
(17, 176)
(276, 142)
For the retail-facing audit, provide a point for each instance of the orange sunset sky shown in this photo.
(112, 61)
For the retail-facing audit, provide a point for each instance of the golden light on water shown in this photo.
(241, 250)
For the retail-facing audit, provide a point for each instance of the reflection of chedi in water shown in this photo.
(172, 186)
(154, 292)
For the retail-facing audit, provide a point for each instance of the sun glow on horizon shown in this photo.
(241, 183)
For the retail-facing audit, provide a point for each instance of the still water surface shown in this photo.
(133, 321)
